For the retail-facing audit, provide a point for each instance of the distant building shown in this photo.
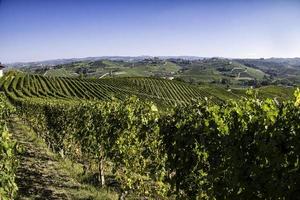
(1, 70)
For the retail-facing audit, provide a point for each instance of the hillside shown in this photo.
(111, 68)
(283, 70)
(160, 91)
(215, 70)
(218, 71)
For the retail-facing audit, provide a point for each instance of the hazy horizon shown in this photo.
(87, 57)
(46, 30)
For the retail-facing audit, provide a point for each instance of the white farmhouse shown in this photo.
(1, 70)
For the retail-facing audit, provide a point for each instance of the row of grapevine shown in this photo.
(242, 150)
(8, 161)
(125, 133)
(157, 90)
(238, 150)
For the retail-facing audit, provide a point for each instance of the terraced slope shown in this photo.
(158, 90)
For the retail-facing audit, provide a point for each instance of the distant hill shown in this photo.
(70, 60)
(220, 71)
(283, 69)
(217, 69)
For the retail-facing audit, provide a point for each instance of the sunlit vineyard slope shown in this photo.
(157, 90)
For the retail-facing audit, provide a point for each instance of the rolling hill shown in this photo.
(160, 91)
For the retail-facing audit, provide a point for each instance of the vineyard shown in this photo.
(198, 149)
(8, 162)
(157, 90)
(162, 92)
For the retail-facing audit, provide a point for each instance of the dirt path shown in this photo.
(38, 176)
(43, 174)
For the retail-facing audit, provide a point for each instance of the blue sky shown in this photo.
(49, 29)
